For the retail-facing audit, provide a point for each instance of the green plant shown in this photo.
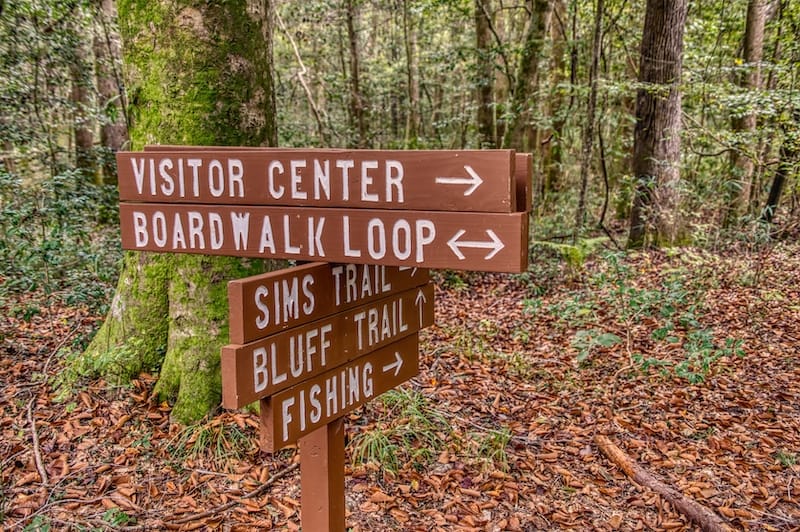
(492, 448)
(376, 446)
(585, 341)
(415, 435)
(39, 523)
(116, 517)
(702, 353)
(219, 442)
(785, 458)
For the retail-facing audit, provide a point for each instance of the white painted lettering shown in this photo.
(240, 222)
(140, 229)
(294, 166)
(275, 192)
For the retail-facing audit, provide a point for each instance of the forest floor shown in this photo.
(687, 361)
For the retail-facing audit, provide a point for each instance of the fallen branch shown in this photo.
(221, 508)
(705, 518)
(37, 453)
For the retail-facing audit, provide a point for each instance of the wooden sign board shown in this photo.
(262, 368)
(461, 241)
(262, 305)
(440, 180)
(297, 411)
(523, 167)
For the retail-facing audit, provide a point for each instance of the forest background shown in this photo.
(666, 124)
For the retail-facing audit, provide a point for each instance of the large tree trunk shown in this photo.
(527, 78)
(202, 76)
(657, 136)
(110, 92)
(742, 158)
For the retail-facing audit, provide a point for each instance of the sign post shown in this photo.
(314, 342)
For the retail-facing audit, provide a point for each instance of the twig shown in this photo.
(59, 346)
(37, 454)
(258, 491)
(708, 520)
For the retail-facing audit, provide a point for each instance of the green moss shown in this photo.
(134, 336)
(198, 73)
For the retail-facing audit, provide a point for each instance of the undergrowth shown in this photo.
(59, 241)
(614, 305)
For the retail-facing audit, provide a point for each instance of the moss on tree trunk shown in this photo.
(198, 73)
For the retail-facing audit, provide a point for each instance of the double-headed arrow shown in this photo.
(474, 180)
(494, 246)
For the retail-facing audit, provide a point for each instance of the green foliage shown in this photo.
(415, 433)
(55, 240)
(613, 302)
(220, 443)
(492, 448)
(785, 458)
(39, 523)
(585, 341)
(116, 517)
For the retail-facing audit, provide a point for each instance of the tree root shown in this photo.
(705, 518)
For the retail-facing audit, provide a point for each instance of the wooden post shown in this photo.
(322, 478)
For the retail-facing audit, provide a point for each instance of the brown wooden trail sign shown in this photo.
(264, 304)
(264, 367)
(316, 341)
(523, 168)
(426, 239)
(440, 180)
(301, 409)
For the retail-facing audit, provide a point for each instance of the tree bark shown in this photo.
(527, 75)
(657, 141)
(587, 139)
(200, 76)
(484, 72)
(742, 160)
(81, 103)
(412, 78)
(357, 107)
(787, 167)
(110, 89)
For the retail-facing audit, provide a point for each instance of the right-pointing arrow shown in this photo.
(495, 245)
(474, 180)
(396, 365)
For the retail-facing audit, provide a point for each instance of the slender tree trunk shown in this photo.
(553, 149)
(657, 141)
(81, 103)
(742, 158)
(787, 167)
(110, 89)
(587, 139)
(201, 76)
(412, 77)
(357, 107)
(484, 74)
(527, 74)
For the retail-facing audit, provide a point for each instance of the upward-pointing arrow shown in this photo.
(420, 297)
(495, 245)
(474, 180)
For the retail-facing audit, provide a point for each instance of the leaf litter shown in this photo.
(687, 362)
